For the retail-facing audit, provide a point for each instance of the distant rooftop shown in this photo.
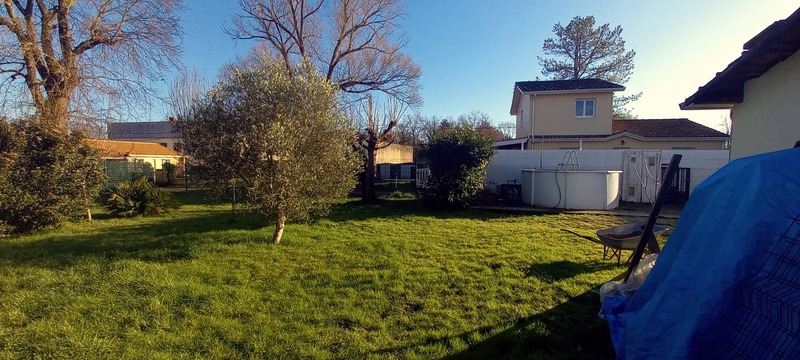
(566, 85)
(119, 149)
(141, 130)
(665, 128)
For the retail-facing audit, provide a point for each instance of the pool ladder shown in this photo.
(569, 162)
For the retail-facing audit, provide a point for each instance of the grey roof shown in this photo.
(565, 85)
(142, 130)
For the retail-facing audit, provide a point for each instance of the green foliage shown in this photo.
(46, 176)
(582, 51)
(170, 171)
(281, 135)
(458, 160)
(139, 197)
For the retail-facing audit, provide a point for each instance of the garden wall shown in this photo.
(641, 168)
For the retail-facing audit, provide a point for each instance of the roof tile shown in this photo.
(565, 85)
(114, 148)
(142, 130)
(665, 128)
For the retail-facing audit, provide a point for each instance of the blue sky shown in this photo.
(472, 52)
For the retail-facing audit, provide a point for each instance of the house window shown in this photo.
(584, 108)
(163, 144)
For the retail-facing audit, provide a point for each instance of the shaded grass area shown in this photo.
(386, 280)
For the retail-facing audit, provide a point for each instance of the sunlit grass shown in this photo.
(370, 281)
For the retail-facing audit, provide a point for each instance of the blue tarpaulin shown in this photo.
(727, 284)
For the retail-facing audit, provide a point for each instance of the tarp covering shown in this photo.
(727, 284)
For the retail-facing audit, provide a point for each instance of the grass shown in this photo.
(388, 281)
(395, 185)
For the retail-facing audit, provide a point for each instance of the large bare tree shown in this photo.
(72, 55)
(375, 134)
(354, 43)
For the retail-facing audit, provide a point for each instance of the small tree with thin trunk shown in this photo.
(280, 135)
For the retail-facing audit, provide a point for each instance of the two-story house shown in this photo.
(577, 114)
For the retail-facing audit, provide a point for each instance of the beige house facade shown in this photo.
(577, 114)
(150, 154)
(762, 89)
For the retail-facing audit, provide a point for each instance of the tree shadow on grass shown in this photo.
(355, 210)
(560, 270)
(571, 330)
(168, 239)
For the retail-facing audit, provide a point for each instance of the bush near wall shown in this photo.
(46, 176)
(458, 161)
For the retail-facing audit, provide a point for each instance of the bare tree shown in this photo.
(354, 43)
(70, 54)
(186, 92)
(508, 128)
(375, 134)
(726, 127)
(481, 122)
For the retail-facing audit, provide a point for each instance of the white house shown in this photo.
(762, 89)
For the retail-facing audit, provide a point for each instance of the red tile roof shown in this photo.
(665, 128)
(114, 148)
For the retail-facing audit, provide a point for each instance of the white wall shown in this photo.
(768, 118)
(524, 114)
(507, 164)
(702, 162)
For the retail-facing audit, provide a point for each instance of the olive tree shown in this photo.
(280, 135)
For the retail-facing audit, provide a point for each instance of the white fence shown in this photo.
(641, 168)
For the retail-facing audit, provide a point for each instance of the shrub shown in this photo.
(170, 170)
(139, 197)
(458, 161)
(46, 176)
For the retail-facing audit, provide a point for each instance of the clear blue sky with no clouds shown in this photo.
(472, 52)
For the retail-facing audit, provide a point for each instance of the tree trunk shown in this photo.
(86, 201)
(279, 224)
(55, 112)
(369, 174)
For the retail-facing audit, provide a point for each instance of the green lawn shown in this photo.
(370, 281)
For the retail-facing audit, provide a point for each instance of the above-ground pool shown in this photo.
(571, 189)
